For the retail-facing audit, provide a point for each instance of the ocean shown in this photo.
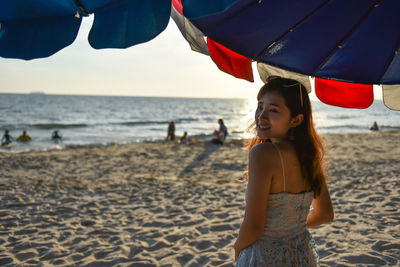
(105, 120)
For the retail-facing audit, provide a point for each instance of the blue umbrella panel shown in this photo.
(39, 28)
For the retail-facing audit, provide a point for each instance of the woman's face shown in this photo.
(273, 119)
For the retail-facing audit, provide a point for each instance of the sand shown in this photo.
(181, 205)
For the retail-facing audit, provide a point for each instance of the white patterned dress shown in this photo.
(285, 240)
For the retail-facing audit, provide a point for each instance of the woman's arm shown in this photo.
(257, 195)
(323, 210)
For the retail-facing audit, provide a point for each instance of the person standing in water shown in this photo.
(171, 132)
(285, 176)
(56, 136)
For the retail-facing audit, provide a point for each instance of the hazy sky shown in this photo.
(164, 66)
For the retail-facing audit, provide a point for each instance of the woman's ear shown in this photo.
(296, 121)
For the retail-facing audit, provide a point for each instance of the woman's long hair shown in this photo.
(306, 142)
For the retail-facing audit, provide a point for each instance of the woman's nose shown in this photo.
(263, 114)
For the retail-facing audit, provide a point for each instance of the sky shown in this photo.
(164, 66)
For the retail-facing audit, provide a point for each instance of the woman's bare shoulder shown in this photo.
(264, 153)
(267, 148)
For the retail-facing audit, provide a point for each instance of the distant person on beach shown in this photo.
(220, 134)
(24, 137)
(171, 132)
(7, 138)
(218, 138)
(222, 127)
(285, 176)
(184, 139)
(56, 136)
(374, 127)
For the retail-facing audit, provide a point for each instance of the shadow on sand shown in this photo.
(208, 150)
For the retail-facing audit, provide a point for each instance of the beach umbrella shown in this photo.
(346, 45)
(39, 28)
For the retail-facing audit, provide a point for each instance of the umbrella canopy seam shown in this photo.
(85, 12)
(347, 36)
(265, 50)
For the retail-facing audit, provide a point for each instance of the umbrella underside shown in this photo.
(346, 45)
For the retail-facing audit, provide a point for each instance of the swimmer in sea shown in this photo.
(24, 137)
(56, 137)
(6, 139)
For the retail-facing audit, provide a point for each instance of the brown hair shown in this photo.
(307, 143)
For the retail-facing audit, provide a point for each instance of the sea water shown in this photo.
(103, 120)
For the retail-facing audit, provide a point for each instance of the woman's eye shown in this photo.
(273, 110)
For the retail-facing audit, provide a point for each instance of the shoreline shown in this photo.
(181, 205)
(199, 139)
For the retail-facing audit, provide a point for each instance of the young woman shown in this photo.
(285, 176)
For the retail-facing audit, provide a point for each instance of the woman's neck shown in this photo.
(279, 140)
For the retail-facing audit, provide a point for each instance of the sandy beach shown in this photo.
(182, 205)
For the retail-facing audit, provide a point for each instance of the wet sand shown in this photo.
(181, 205)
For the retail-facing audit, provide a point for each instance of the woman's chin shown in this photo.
(263, 135)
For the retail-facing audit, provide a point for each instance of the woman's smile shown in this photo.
(262, 128)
